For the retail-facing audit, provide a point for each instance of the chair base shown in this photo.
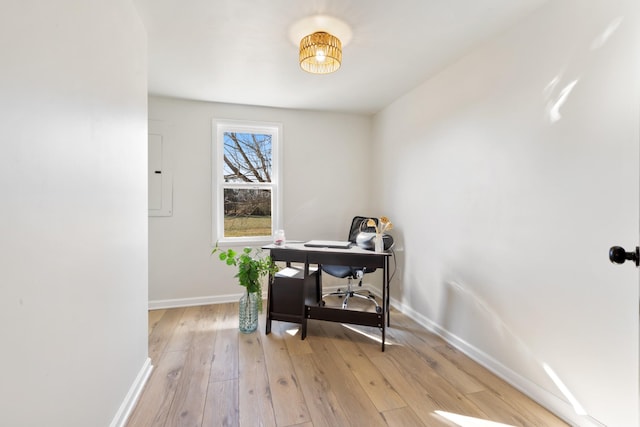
(350, 293)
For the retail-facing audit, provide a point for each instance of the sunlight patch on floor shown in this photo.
(465, 421)
(292, 331)
(377, 339)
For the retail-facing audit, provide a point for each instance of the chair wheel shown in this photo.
(378, 309)
(322, 303)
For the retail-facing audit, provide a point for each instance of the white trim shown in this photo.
(219, 126)
(190, 302)
(222, 299)
(130, 400)
(553, 403)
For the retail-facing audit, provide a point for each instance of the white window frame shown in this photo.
(220, 126)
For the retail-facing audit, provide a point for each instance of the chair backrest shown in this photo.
(359, 224)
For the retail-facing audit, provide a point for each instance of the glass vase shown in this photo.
(379, 243)
(248, 314)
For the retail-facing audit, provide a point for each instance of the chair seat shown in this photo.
(341, 271)
(358, 224)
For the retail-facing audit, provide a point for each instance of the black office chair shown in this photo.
(358, 226)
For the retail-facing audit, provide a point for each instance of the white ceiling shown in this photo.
(240, 51)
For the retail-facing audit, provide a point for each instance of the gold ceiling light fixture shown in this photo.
(320, 53)
(320, 39)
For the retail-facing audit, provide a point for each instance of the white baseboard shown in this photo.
(133, 395)
(553, 403)
(190, 302)
(221, 299)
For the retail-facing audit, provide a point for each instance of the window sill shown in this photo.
(243, 242)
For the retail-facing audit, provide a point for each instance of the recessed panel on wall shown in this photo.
(160, 182)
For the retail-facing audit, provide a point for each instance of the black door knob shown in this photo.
(618, 255)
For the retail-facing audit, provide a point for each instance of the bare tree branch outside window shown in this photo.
(247, 159)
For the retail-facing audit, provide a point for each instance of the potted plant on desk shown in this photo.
(252, 267)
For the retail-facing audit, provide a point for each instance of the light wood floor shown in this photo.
(208, 374)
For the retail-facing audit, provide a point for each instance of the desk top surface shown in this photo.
(299, 246)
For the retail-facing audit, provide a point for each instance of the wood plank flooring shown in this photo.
(206, 373)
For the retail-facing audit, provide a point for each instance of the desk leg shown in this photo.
(387, 285)
(385, 292)
(384, 310)
(303, 333)
(318, 297)
(267, 330)
(319, 284)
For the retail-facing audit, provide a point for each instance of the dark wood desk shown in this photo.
(303, 292)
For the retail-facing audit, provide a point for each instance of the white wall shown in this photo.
(326, 165)
(508, 187)
(73, 251)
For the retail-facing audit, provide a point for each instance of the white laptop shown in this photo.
(336, 244)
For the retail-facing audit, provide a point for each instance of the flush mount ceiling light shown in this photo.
(320, 39)
(320, 53)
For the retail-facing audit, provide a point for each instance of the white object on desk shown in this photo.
(337, 244)
(279, 238)
(288, 272)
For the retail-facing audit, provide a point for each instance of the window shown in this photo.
(247, 171)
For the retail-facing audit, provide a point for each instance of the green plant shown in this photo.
(252, 266)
